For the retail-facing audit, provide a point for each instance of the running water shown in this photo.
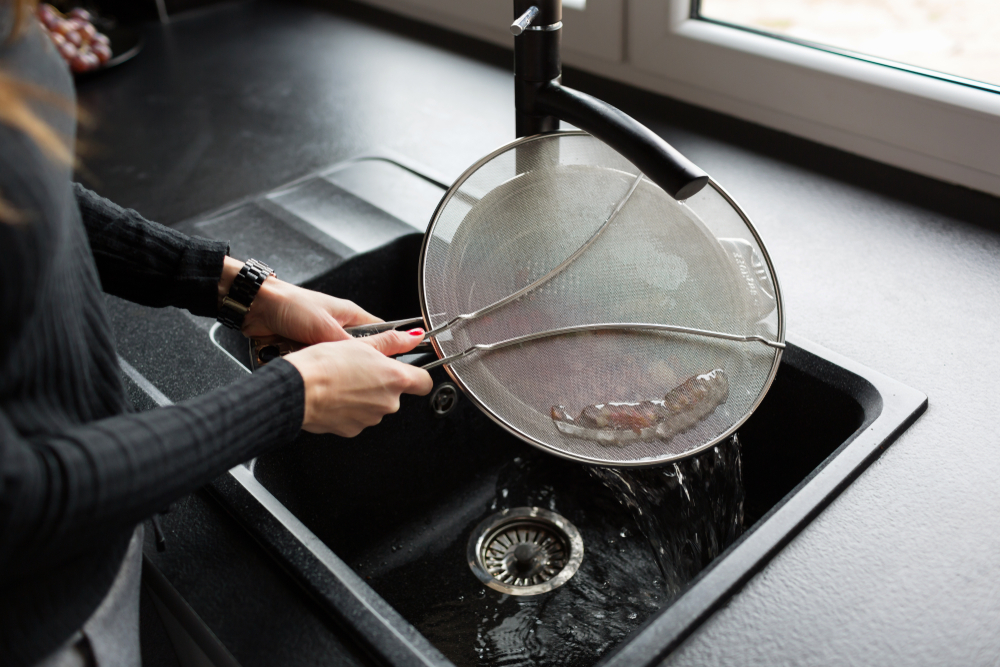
(690, 510)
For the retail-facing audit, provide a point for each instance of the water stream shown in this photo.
(690, 511)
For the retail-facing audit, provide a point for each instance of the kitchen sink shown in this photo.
(396, 506)
(377, 528)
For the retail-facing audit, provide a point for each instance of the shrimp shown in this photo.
(618, 423)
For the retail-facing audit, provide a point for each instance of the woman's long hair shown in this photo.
(15, 106)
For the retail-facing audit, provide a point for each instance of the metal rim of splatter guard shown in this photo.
(525, 551)
(498, 399)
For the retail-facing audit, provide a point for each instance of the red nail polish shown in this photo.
(416, 332)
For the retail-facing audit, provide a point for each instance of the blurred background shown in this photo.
(957, 37)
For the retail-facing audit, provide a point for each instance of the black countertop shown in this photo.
(896, 271)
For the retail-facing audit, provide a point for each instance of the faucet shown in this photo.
(541, 101)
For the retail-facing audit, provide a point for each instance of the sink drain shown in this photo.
(525, 551)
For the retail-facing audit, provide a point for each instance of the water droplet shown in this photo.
(633, 616)
(503, 492)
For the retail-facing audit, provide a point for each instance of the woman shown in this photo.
(78, 472)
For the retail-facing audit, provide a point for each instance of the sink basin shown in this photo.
(398, 505)
(394, 508)
(376, 528)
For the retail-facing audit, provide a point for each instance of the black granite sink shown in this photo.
(376, 527)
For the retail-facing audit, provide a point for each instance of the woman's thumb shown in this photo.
(391, 343)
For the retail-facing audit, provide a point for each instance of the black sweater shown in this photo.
(77, 470)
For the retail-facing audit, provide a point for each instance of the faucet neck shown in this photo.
(536, 62)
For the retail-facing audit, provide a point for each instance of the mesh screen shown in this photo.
(693, 264)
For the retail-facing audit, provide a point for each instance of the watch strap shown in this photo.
(236, 304)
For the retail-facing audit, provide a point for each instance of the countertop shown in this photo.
(896, 271)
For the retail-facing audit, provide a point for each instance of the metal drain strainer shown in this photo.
(525, 551)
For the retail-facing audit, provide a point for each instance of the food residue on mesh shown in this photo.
(618, 423)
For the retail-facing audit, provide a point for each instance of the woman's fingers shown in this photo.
(352, 384)
(391, 343)
(355, 315)
(420, 381)
(302, 315)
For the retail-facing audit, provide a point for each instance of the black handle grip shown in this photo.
(657, 159)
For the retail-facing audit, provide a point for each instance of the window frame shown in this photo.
(848, 53)
(921, 123)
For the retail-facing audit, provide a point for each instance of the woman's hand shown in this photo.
(301, 315)
(351, 384)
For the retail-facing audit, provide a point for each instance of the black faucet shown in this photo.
(541, 101)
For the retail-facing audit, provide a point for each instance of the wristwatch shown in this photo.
(236, 304)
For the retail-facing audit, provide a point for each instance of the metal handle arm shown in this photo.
(362, 330)
(606, 326)
(485, 310)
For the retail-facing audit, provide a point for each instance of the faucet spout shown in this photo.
(541, 101)
(659, 161)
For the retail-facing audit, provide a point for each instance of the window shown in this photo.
(920, 123)
(956, 40)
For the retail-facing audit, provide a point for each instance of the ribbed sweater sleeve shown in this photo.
(77, 472)
(69, 491)
(147, 263)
